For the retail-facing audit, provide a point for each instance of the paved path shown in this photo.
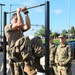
(1, 59)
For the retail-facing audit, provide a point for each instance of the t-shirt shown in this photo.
(12, 36)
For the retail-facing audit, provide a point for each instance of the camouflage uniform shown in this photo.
(53, 68)
(64, 57)
(38, 52)
(19, 52)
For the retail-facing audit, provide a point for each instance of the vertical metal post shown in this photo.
(1, 23)
(4, 43)
(1, 19)
(10, 13)
(47, 38)
(69, 18)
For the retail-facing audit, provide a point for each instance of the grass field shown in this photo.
(57, 40)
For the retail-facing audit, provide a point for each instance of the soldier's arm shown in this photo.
(20, 22)
(56, 57)
(55, 50)
(27, 25)
(7, 28)
(70, 56)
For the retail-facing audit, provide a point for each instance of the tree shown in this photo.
(55, 34)
(41, 32)
(64, 32)
(72, 30)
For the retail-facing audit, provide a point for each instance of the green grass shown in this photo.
(43, 40)
(70, 39)
(57, 40)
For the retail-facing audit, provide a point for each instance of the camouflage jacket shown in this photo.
(20, 50)
(64, 54)
(37, 47)
(52, 48)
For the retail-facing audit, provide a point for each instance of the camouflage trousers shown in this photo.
(53, 70)
(16, 68)
(21, 68)
(62, 70)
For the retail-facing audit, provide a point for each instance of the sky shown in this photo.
(62, 13)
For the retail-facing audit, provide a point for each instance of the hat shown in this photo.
(50, 37)
(61, 36)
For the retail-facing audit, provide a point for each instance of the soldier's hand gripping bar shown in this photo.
(27, 8)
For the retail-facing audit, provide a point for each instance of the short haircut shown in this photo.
(13, 15)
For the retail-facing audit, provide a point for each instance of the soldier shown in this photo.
(19, 51)
(38, 52)
(52, 47)
(64, 57)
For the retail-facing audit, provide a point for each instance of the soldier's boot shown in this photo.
(51, 71)
(38, 66)
(25, 73)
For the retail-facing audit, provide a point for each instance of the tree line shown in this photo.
(41, 32)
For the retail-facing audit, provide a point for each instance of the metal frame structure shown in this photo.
(47, 19)
(1, 19)
(27, 8)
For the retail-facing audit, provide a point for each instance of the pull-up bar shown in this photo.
(27, 8)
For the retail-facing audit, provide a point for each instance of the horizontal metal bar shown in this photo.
(36, 25)
(16, 5)
(2, 4)
(28, 8)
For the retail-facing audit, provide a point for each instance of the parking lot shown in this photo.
(1, 59)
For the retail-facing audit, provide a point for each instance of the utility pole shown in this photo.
(1, 19)
(69, 18)
(10, 13)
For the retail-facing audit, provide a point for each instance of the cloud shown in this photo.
(29, 2)
(57, 11)
(72, 25)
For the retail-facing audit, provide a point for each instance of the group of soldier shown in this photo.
(24, 53)
(61, 57)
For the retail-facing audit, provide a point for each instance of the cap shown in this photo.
(61, 36)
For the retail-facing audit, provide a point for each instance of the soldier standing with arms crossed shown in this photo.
(19, 46)
(64, 57)
(52, 47)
